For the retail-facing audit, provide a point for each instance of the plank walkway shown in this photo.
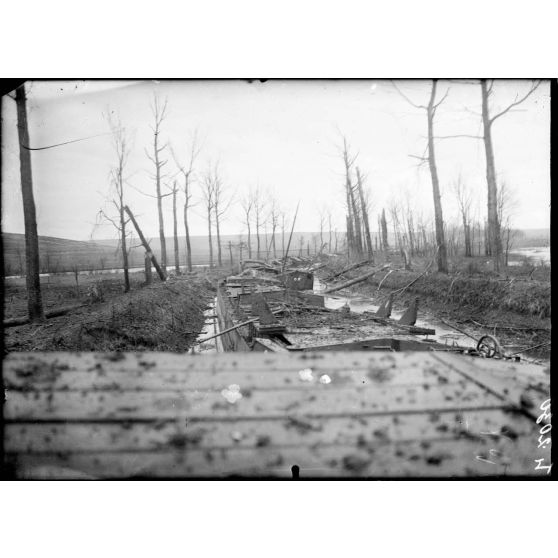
(137, 415)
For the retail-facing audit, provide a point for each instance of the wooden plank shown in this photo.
(154, 379)
(521, 387)
(457, 458)
(297, 431)
(38, 367)
(323, 400)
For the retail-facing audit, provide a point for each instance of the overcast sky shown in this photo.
(282, 135)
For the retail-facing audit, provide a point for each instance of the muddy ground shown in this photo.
(514, 306)
(159, 317)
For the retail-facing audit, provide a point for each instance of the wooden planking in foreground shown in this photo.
(166, 415)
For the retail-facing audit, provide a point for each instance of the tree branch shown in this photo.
(459, 136)
(534, 87)
(407, 98)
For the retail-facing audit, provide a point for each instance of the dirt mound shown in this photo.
(523, 297)
(163, 317)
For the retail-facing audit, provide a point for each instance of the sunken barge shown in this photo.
(265, 309)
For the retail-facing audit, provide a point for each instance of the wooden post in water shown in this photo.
(231, 256)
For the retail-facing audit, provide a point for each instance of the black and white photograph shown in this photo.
(276, 279)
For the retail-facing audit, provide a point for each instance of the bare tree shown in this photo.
(329, 226)
(364, 212)
(383, 223)
(208, 192)
(187, 172)
(273, 218)
(259, 216)
(394, 210)
(430, 109)
(464, 200)
(159, 113)
(247, 204)
(120, 141)
(354, 232)
(494, 238)
(174, 191)
(221, 206)
(506, 206)
(283, 229)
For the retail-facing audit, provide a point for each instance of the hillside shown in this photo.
(61, 254)
(57, 254)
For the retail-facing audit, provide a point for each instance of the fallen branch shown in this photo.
(533, 347)
(226, 331)
(512, 327)
(402, 289)
(50, 314)
(385, 277)
(347, 269)
(353, 281)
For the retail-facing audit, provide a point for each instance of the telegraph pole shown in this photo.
(34, 299)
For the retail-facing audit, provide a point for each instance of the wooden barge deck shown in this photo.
(371, 414)
(284, 319)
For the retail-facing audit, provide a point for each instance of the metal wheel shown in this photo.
(489, 347)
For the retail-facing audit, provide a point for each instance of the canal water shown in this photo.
(210, 328)
(535, 255)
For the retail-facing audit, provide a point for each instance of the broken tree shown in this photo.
(156, 265)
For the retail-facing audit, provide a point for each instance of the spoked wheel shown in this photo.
(489, 347)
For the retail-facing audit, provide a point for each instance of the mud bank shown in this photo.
(162, 317)
(516, 310)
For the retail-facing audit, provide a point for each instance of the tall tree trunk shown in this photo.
(274, 227)
(249, 241)
(160, 204)
(209, 237)
(365, 218)
(356, 218)
(123, 245)
(32, 280)
(283, 236)
(187, 232)
(385, 243)
(258, 235)
(438, 215)
(494, 236)
(467, 235)
(175, 231)
(219, 252)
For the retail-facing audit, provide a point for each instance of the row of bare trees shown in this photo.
(359, 240)
(466, 234)
(488, 118)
